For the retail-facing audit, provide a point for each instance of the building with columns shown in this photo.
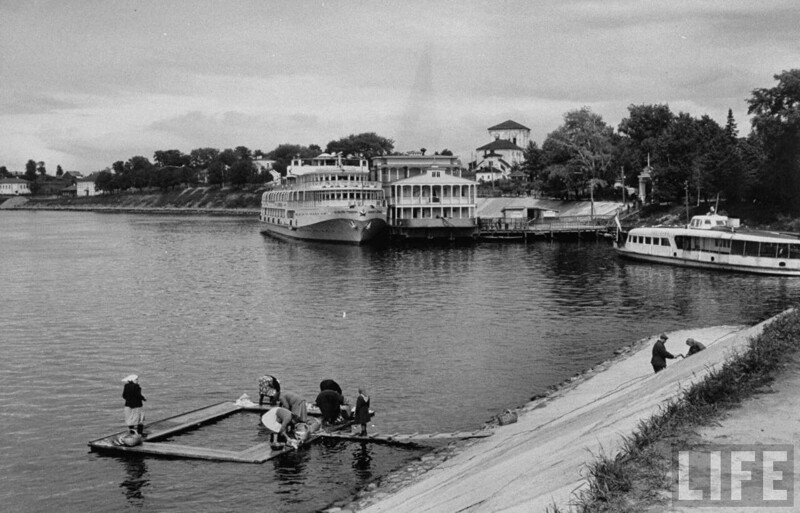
(426, 196)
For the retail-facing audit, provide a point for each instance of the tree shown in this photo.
(216, 173)
(40, 168)
(366, 145)
(639, 136)
(730, 127)
(283, 154)
(30, 170)
(105, 182)
(4, 173)
(201, 158)
(243, 152)
(678, 152)
(241, 172)
(582, 148)
(138, 172)
(59, 171)
(533, 163)
(776, 123)
(171, 158)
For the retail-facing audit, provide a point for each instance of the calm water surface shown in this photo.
(199, 307)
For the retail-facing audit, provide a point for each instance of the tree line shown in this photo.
(234, 166)
(688, 156)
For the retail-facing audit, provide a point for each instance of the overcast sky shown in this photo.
(87, 83)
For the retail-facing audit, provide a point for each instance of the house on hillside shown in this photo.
(267, 166)
(14, 187)
(497, 159)
(86, 186)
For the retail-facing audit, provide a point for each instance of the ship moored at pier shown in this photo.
(326, 198)
(714, 241)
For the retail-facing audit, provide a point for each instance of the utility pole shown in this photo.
(686, 186)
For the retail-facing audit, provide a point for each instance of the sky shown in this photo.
(85, 83)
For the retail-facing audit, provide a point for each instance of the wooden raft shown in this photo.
(165, 428)
(162, 429)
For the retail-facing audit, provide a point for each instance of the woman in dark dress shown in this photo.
(362, 411)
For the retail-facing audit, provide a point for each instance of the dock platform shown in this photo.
(165, 428)
(156, 432)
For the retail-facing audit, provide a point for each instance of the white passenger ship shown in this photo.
(327, 198)
(714, 241)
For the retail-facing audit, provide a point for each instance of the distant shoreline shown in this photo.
(242, 212)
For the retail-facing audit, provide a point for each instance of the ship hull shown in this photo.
(710, 262)
(341, 230)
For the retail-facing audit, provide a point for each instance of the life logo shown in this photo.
(752, 475)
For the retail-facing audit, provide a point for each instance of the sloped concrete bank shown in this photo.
(541, 460)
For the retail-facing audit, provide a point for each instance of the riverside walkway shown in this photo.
(541, 460)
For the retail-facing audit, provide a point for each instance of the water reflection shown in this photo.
(135, 481)
(362, 460)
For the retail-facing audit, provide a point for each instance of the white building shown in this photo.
(426, 196)
(14, 187)
(264, 165)
(86, 186)
(496, 159)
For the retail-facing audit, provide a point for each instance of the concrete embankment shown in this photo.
(541, 460)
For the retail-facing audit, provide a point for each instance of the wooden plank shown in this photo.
(178, 451)
(185, 421)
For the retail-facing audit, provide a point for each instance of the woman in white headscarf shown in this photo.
(134, 410)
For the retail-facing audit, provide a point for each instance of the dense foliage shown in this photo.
(688, 157)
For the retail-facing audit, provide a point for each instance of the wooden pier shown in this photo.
(523, 230)
(160, 430)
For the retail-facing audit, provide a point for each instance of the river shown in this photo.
(442, 337)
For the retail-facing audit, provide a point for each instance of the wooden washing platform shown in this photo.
(158, 431)
(162, 429)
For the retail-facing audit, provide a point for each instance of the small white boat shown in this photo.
(326, 198)
(714, 241)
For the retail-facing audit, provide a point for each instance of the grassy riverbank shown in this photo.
(637, 477)
(212, 199)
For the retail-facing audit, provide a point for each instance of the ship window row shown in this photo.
(311, 196)
(273, 212)
(334, 178)
(642, 239)
(740, 247)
